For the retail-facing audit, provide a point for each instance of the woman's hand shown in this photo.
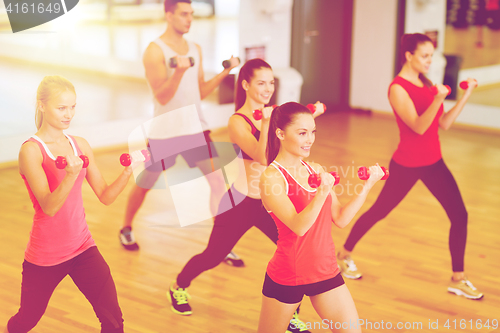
(376, 173)
(327, 181)
(319, 109)
(266, 113)
(442, 92)
(74, 165)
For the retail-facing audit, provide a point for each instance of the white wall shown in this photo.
(274, 31)
(373, 53)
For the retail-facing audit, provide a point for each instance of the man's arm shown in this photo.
(206, 87)
(163, 87)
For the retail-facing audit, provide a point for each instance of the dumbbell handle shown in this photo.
(314, 179)
(257, 114)
(464, 84)
(364, 174)
(173, 62)
(61, 161)
(434, 90)
(126, 160)
(312, 107)
(227, 63)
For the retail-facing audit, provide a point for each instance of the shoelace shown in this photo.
(469, 284)
(180, 296)
(298, 323)
(350, 263)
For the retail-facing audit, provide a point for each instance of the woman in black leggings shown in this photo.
(418, 108)
(254, 90)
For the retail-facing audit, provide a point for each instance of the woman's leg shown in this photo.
(92, 276)
(275, 316)
(336, 307)
(443, 186)
(37, 286)
(228, 228)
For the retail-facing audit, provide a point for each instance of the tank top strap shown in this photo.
(254, 129)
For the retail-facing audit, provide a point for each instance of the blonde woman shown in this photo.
(60, 243)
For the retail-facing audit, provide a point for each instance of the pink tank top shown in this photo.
(304, 259)
(415, 150)
(59, 238)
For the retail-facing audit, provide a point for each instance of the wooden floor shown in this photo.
(405, 258)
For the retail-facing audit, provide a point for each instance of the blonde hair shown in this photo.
(50, 86)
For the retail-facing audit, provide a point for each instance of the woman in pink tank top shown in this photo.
(304, 262)
(419, 111)
(60, 243)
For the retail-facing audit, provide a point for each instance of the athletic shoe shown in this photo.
(464, 288)
(127, 239)
(348, 268)
(179, 299)
(232, 259)
(296, 325)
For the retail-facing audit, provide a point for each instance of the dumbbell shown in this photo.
(61, 161)
(227, 63)
(434, 90)
(126, 160)
(257, 114)
(314, 179)
(312, 107)
(173, 62)
(364, 174)
(464, 84)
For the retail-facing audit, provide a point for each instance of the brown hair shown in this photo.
(410, 43)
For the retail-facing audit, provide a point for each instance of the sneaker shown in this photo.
(348, 268)
(127, 239)
(232, 259)
(464, 288)
(296, 325)
(179, 299)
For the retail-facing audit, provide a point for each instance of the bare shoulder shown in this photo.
(82, 143)
(271, 174)
(152, 53)
(29, 149)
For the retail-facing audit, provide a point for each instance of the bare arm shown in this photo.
(107, 194)
(274, 197)
(342, 216)
(30, 165)
(405, 109)
(164, 88)
(240, 133)
(206, 87)
(448, 118)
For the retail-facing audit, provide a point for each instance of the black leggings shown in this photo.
(439, 180)
(91, 275)
(228, 228)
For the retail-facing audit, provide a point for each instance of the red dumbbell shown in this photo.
(434, 90)
(314, 179)
(312, 107)
(126, 160)
(61, 161)
(257, 114)
(464, 84)
(364, 174)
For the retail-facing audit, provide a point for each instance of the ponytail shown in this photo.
(281, 117)
(47, 89)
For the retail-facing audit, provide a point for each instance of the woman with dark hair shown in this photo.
(254, 90)
(304, 262)
(419, 114)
